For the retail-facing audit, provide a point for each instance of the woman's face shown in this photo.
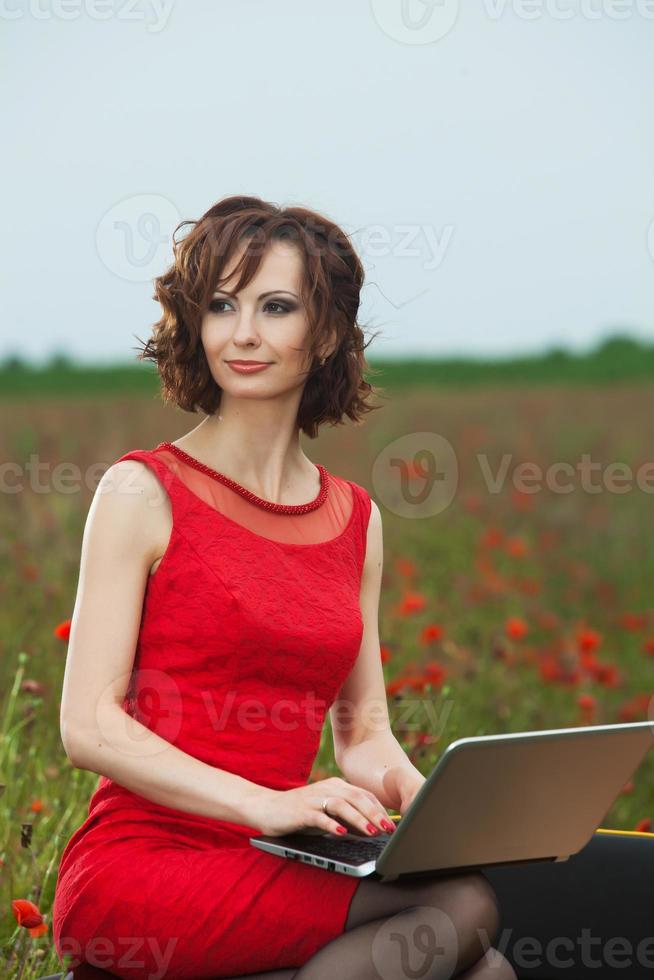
(265, 322)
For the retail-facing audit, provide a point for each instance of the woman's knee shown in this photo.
(483, 906)
(468, 899)
(473, 915)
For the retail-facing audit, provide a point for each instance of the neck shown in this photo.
(257, 448)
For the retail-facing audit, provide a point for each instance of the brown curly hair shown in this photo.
(331, 286)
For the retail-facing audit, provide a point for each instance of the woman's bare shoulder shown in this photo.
(131, 505)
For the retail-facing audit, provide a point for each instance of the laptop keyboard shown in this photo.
(348, 850)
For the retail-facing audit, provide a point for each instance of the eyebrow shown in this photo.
(272, 292)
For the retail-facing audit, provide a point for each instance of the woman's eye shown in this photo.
(215, 304)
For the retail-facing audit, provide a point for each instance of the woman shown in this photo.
(228, 599)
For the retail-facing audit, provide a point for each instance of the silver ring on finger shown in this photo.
(324, 805)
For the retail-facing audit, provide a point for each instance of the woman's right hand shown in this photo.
(278, 812)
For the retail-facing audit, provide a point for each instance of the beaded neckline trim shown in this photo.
(269, 505)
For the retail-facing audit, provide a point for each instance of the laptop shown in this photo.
(490, 800)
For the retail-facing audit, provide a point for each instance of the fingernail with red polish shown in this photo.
(387, 825)
(341, 830)
(372, 829)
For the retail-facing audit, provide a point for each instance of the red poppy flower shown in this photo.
(62, 630)
(405, 567)
(411, 602)
(588, 640)
(516, 628)
(435, 673)
(492, 537)
(607, 674)
(521, 500)
(637, 706)
(588, 661)
(395, 686)
(549, 669)
(588, 705)
(27, 915)
(417, 682)
(516, 547)
(431, 633)
(633, 621)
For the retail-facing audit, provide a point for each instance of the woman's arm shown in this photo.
(140, 760)
(365, 748)
(122, 538)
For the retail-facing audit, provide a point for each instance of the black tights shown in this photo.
(433, 928)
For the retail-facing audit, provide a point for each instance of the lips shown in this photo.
(247, 367)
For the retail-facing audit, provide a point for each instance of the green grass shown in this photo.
(617, 359)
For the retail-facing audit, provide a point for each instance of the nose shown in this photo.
(245, 332)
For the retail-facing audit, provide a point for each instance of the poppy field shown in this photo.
(525, 603)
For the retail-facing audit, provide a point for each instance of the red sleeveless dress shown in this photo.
(253, 604)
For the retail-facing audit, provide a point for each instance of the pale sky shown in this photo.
(494, 162)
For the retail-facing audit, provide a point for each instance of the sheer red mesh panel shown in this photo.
(325, 522)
